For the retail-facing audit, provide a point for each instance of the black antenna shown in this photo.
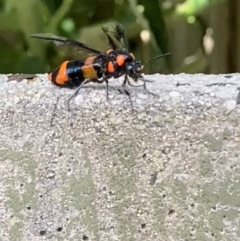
(157, 57)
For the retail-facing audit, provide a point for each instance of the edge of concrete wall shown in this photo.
(167, 171)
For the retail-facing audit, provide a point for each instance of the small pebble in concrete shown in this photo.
(116, 120)
(230, 106)
(139, 101)
(97, 100)
(50, 174)
(153, 178)
(156, 153)
(78, 99)
(174, 94)
(228, 131)
(140, 126)
(238, 96)
(142, 96)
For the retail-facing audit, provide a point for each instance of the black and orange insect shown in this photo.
(124, 62)
(102, 66)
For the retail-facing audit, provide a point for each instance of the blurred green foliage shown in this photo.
(82, 20)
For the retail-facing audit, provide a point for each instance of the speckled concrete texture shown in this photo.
(170, 170)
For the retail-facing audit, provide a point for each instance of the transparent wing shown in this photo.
(62, 41)
(116, 37)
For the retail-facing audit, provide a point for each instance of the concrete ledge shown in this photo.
(168, 171)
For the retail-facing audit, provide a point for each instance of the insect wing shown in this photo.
(113, 43)
(62, 41)
(116, 37)
(121, 35)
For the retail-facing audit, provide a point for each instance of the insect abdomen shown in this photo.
(73, 73)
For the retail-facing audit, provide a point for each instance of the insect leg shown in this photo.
(134, 85)
(126, 80)
(54, 111)
(145, 88)
(144, 80)
(78, 89)
(106, 80)
(76, 92)
(80, 86)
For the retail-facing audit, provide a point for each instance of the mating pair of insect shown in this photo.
(117, 61)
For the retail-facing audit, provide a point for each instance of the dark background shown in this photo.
(201, 35)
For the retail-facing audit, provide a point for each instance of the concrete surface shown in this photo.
(168, 171)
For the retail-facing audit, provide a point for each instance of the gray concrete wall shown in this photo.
(168, 171)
